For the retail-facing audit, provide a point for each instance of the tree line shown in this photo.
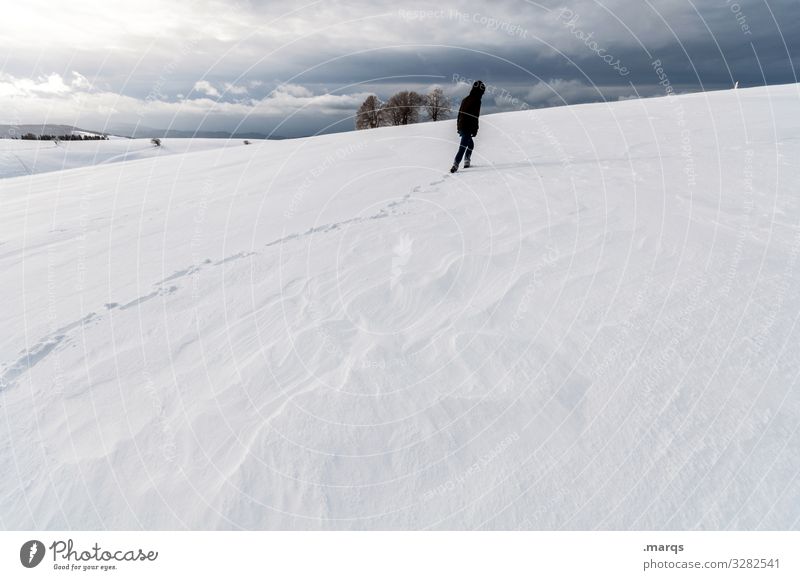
(35, 137)
(403, 108)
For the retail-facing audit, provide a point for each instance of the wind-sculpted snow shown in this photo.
(592, 327)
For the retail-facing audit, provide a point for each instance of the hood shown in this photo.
(478, 88)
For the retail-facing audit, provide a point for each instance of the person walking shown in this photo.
(467, 124)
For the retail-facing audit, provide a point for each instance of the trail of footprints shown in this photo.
(10, 372)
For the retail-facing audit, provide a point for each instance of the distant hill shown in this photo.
(125, 130)
(12, 131)
(19, 157)
(142, 131)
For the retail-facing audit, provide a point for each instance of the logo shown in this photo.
(31, 553)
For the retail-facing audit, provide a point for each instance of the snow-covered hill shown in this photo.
(594, 327)
(16, 131)
(23, 157)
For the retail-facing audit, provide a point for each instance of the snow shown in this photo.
(24, 157)
(593, 327)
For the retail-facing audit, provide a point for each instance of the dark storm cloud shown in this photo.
(223, 62)
(707, 45)
(714, 45)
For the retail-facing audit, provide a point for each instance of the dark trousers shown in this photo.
(465, 146)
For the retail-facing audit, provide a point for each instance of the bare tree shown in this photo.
(403, 108)
(370, 113)
(437, 105)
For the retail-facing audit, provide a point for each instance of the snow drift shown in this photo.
(593, 327)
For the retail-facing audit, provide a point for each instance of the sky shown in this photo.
(289, 68)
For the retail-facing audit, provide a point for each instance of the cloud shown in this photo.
(51, 84)
(291, 91)
(50, 98)
(232, 89)
(273, 57)
(206, 88)
(561, 91)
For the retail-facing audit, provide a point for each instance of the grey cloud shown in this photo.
(350, 48)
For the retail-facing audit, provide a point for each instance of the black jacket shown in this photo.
(469, 111)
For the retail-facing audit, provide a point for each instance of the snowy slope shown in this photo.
(594, 327)
(18, 157)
